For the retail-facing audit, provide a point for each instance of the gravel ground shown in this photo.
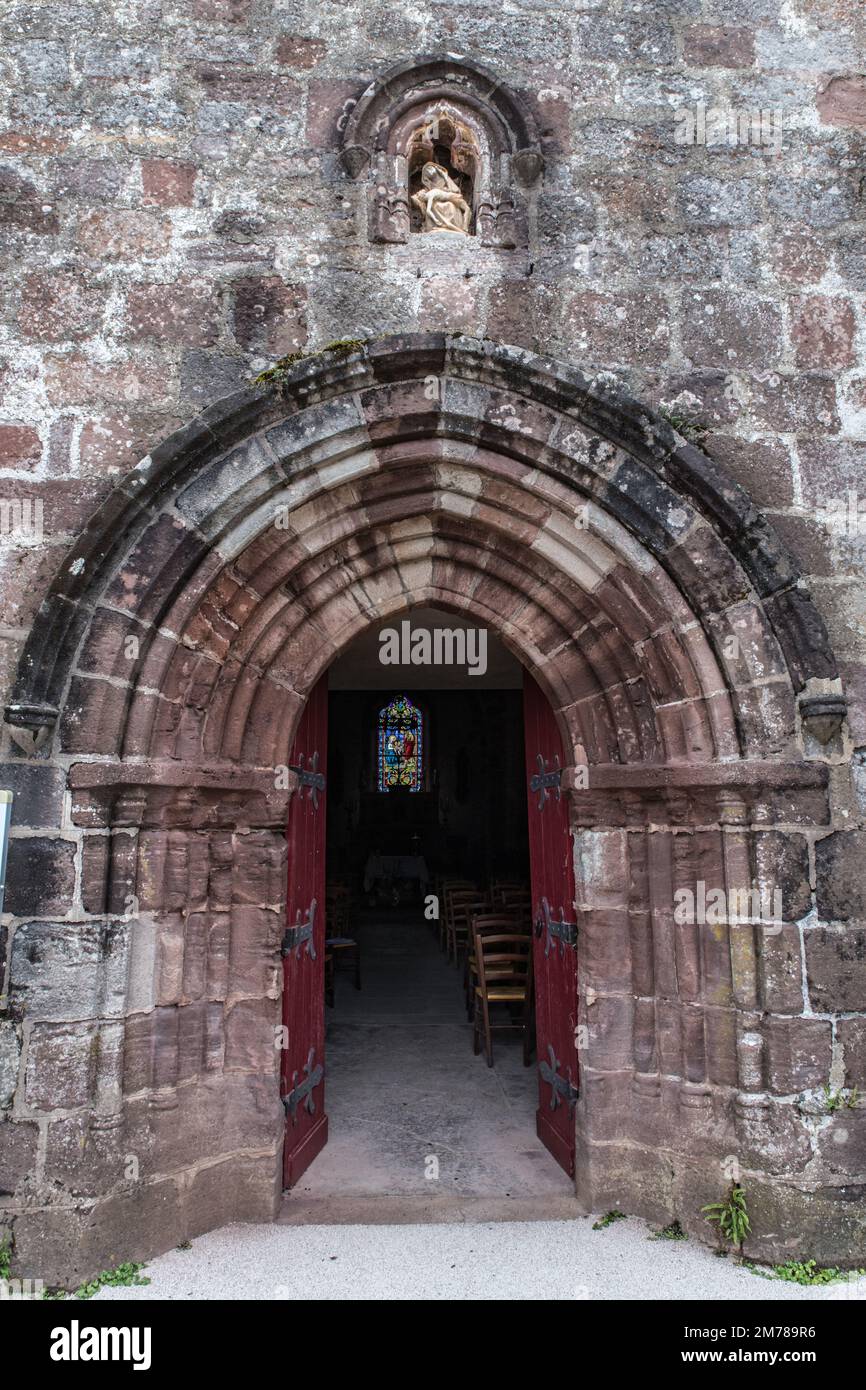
(496, 1260)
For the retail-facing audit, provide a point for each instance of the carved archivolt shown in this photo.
(441, 111)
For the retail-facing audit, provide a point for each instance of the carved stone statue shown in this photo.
(440, 202)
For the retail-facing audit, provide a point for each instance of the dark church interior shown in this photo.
(402, 1060)
(468, 820)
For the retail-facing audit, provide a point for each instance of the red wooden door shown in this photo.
(303, 1067)
(554, 936)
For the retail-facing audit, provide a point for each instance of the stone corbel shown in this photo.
(354, 159)
(527, 165)
(822, 712)
(30, 726)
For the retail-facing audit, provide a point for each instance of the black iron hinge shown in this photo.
(302, 1091)
(302, 933)
(557, 929)
(546, 781)
(310, 777)
(562, 1088)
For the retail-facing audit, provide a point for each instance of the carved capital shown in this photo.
(389, 214)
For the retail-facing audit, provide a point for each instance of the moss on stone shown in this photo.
(278, 374)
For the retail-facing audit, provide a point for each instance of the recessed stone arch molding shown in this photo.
(167, 671)
(486, 126)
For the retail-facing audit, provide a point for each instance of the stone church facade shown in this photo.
(550, 316)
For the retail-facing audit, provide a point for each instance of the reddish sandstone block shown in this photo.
(835, 960)
(779, 969)
(448, 305)
(792, 401)
(20, 446)
(798, 1053)
(851, 1034)
(296, 51)
(59, 1060)
(841, 891)
(25, 574)
(57, 307)
(269, 315)
(186, 312)
(123, 235)
(168, 183)
(762, 466)
(628, 198)
(618, 327)
(800, 257)
(822, 331)
(723, 328)
(77, 380)
(19, 1144)
(250, 85)
(28, 142)
(250, 1036)
(328, 105)
(94, 870)
(843, 102)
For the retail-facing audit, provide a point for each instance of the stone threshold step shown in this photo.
(401, 1210)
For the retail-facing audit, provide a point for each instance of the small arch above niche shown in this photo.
(445, 149)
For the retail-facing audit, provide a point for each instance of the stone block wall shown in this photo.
(176, 217)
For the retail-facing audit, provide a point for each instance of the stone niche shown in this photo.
(445, 149)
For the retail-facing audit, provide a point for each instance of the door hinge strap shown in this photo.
(557, 929)
(562, 1088)
(301, 933)
(546, 781)
(310, 777)
(303, 1090)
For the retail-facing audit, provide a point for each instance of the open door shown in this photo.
(555, 930)
(302, 1078)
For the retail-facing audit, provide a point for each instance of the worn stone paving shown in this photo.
(411, 1110)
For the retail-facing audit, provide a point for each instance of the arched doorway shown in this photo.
(688, 674)
(471, 797)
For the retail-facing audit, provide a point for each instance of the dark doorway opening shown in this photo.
(413, 1112)
(416, 784)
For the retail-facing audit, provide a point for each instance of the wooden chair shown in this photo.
(518, 902)
(465, 904)
(344, 949)
(337, 900)
(504, 963)
(453, 889)
(499, 886)
(344, 954)
(492, 921)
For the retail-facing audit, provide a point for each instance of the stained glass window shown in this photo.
(401, 745)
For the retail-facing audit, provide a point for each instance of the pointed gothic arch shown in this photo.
(168, 668)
